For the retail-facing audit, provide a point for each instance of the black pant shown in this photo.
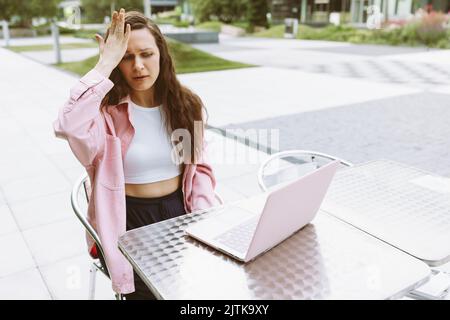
(145, 211)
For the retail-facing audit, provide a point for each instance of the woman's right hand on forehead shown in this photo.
(113, 49)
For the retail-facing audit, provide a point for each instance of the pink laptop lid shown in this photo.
(290, 208)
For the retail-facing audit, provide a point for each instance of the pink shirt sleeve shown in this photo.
(80, 121)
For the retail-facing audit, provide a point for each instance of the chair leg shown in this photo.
(92, 277)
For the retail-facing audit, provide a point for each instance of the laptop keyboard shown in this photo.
(240, 236)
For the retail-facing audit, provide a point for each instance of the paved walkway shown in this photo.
(417, 67)
(42, 40)
(42, 243)
(373, 101)
(68, 55)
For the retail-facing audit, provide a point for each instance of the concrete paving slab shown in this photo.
(42, 211)
(8, 224)
(409, 129)
(441, 57)
(26, 285)
(38, 185)
(42, 82)
(231, 158)
(16, 256)
(49, 146)
(264, 92)
(441, 89)
(10, 127)
(69, 280)
(57, 241)
(286, 59)
(17, 165)
(73, 174)
(65, 160)
(18, 143)
(308, 56)
(270, 43)
(373, 50)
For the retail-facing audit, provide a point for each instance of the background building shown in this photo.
(74, 8)
(395, 9)
(309, 11)
(355, 11)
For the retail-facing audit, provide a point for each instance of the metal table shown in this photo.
(327, 259)
(401, 205)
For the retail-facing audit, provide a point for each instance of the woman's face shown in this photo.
(140, 64)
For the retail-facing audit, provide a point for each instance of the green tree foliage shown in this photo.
(257, 10)
(223, 10)
(25, 10)
(7, 8)
(94, 11)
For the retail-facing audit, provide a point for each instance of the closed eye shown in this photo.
(145, 55)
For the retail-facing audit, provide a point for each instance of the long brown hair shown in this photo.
(181, 107)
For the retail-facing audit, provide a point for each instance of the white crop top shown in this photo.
(149, 155)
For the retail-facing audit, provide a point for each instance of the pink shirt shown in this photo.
(100, 140)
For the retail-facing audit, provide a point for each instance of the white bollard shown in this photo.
(5, 29)
(147, 8)
(56, 46)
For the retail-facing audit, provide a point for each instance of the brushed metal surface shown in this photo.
(404, 206)
(327, 259)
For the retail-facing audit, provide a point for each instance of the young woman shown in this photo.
(119, 122)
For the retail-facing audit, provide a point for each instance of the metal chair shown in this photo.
(79, 198)
(219, 198)
(285, 166)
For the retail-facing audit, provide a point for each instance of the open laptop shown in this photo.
(245, 234)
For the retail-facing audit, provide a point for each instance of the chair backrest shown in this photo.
(80, 199)
(219, 198)
(289, 165)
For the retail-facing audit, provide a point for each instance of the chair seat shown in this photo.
(94, 252)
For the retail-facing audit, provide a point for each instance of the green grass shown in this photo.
(210, 25)
(305, 32)
(217, 25)
(86, 34)
(187, 60)
(405, 36)
(273, 32)
(79, 67)
(241, 24)
(49, 47)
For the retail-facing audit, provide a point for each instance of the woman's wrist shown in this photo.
(104, 68)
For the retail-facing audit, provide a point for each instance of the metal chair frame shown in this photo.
(282, 154)
(83, 182)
